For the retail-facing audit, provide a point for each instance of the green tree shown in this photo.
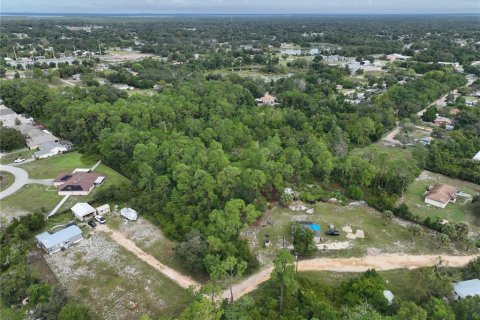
(430, 114)
(201, 309)
(437, 309)
(303, 242)
(75, 311)
(410, 311)
(284, 276)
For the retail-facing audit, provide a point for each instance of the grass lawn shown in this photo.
(51, 167)
(454, 212)
(6, 180)
(30, 199)
(380, 236)
(22, 153)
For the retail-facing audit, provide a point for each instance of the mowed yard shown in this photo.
(381, 236)
(113, 282)
(453, 212)
(38, 198)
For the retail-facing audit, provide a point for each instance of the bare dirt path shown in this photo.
(378, 262)
(182, 280)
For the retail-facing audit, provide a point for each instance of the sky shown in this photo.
(242, 6)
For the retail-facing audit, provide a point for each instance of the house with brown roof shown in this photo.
(440, 195)
(267, 100)
(443, 121)
(76, 184)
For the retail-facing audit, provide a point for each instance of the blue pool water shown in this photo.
(314, 227)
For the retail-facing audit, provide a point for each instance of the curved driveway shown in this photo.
(21, 179)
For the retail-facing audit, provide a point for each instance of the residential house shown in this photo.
(469, 288)
(477, 156)
(396, 56)
(267, 100)
(77, 184)
(443, 121)
(49, 149)
(454, 111)
(440, 195)
(57, 241)
(83, 211)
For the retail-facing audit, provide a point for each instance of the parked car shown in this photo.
(19, 160)
(92, 223)
(332, 233)
(100, 219)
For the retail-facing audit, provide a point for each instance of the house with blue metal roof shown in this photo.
(53, 242)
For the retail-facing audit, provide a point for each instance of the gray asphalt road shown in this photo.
(21, 179)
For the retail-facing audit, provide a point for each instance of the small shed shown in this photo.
(57, 241)
(103, 209)
(469, 288)
(99, 181)
(129, 213)
(83, 211)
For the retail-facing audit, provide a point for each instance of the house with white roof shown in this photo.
(469, 288)
(49, 149)
(477, 156)
(83, 211)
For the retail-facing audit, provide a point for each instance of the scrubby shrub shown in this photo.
(355, 192)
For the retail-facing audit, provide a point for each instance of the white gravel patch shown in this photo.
(142, 231)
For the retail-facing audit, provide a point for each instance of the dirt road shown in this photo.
(378, 262)
(182, 280)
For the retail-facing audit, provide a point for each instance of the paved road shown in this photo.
(21, 179)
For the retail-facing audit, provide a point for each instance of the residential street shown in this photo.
(21, 179)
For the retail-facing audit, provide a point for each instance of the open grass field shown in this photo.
(399, 281)
(30, 199)
(380, 236)
(113, 282)
(454, 212)
(6, 180)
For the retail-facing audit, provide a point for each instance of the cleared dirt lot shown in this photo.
(116, 284)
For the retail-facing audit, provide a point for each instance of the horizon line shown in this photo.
(238, 14)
